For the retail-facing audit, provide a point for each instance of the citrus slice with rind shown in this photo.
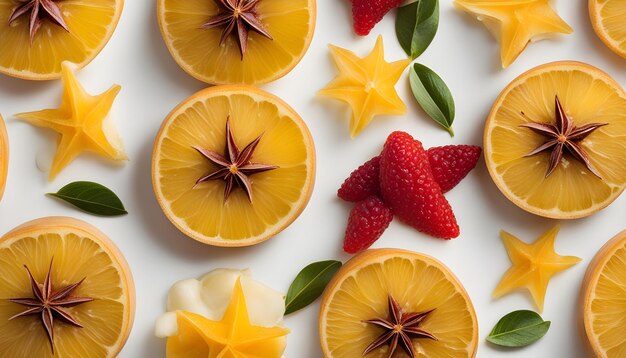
(90, 23)
(588, 95)
(602, 300)
(79, 251)
(201, 211)
(4, 156)
(607, 18)
(360, 289)
(198, 51)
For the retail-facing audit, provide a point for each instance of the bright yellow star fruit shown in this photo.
(533, 265)
(367, 85)
(232, 337)
(81, 122)
(516, 22)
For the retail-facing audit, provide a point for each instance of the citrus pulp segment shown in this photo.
(198, 51)
(79, 251)
(602, 300)
(4, 156)
(588, 95)
(90, 26)
(607, 18)
(200, 210)
(360, 290)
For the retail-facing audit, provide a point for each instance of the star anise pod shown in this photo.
(50, 304)
(235, 166)
(38, 9)
(563, 136)
(238, 17)
(400, 330)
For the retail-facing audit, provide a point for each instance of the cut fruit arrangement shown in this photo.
(554, 140)
(237, 41)
(222, 170)
(387, 295)
(41, 34)
(233, 166)
(66, 291)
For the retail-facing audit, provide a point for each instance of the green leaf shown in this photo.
(433, 95)
(416, 26)
(309, 284)
(518, 329)
(92, 198)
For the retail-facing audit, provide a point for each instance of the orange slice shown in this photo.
(4, 156)
(79, 251)
(90, 22)
(419, 283)
(588, 95)
(607, 18)
(279, 195)
(291, 24)
(603, 310)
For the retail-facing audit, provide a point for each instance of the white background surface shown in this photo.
(463, 53)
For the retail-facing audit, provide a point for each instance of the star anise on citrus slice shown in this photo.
(563, 136)
(38, 10)
(50, 304)
(235, 165)
(400, 330)
(238, 17)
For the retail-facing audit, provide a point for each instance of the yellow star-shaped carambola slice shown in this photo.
(533, 265)
(232, 337)
(516, 22)
(81, 122)
(366, 84)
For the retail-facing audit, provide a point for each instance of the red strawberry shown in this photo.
(409, 189)
(368, 220)
(362, 182)
(367, 13)
(450, 164)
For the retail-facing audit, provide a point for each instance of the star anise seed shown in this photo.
(234, 166)
(50, 304)
(400, 330)
(238, 17)
(563, 136)
(39, 9)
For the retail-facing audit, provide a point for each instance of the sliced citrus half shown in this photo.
(73, 250)
(90, 24)
(603, 296)
(571, 190)
(419, 283)
(202, 53)
(205, 210)
(607, 18)
(4, 156)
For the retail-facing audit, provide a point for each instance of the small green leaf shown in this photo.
(518, 329)
(416, 26)
(309, 284)
(433, 95)
(92, 198)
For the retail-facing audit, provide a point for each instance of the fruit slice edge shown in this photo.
(603, 289)
(607, 21)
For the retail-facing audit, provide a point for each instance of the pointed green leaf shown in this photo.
(433, 95)
(518, 329)
(309, 284)
(416, 26)
(92, 198)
